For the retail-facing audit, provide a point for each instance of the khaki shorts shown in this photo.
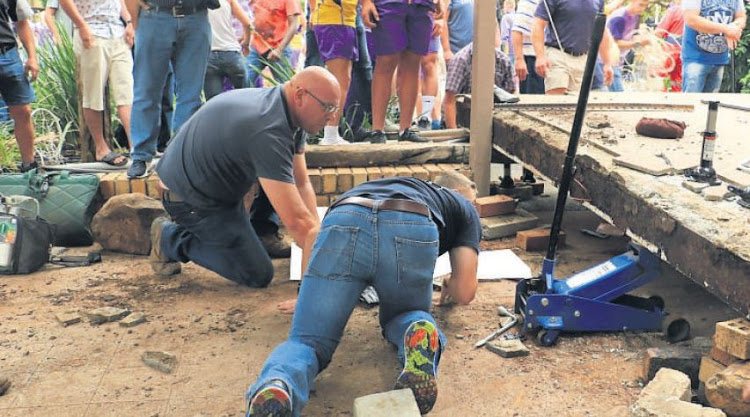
(566, 71)
(106, 60)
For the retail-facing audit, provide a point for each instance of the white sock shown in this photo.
(428, 103)
(330, 133)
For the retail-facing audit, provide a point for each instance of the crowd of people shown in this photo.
(184, 55)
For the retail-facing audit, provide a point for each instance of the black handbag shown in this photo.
(25, 241)
(66, 200)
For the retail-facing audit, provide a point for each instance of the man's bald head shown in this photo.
(313, 95)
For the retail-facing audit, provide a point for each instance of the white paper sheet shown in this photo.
(295, 261)
(493, 265)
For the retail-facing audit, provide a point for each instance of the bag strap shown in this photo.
(76, 261)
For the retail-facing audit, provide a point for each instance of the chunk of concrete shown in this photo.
(106, 314)
(124, 223)
(133, 320)
(724, 390)
(512, 348)
(400, 403)
(716, 193)
(668, 383)
(684, 358)
(161, 361)
(507, 225)
(709, 368)
(694, 186)
(649, 164)
(657, 407)
(67, 318)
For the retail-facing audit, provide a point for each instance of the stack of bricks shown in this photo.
(328, 183)
(731, 345)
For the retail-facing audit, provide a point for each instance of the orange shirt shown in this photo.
(271, 22)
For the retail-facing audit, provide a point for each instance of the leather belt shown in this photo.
(392, 204)
(567, 51)
(171, 197)
(177, 11)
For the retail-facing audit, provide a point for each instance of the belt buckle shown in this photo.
(175, 14)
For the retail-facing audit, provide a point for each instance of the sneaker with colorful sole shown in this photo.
(272, 400)
(421, 344)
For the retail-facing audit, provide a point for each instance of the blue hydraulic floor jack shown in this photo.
(596, 299)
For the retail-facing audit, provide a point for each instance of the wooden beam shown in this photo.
(389, 154)
(482, 80)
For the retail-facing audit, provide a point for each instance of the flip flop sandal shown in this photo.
(111, 157)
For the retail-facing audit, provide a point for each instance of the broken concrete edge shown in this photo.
(669, 394)
(160, 360)
(686, 250)
(390, 403)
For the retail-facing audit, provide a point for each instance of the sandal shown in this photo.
(111, 157)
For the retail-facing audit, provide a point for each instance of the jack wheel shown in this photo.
(676, 330)
(656, 302)
(546, 338)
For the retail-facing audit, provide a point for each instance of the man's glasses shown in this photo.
(328, 108)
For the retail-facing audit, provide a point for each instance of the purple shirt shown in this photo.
(574, 21)
(622, 25)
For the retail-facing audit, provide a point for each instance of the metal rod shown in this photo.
(709, 136)
(575, 134)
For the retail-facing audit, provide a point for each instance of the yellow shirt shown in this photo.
(327, 12)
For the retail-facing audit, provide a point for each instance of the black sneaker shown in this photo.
(276, 245)
(376, 136)
(411, 135)
(138, 169)
(424, 123)
(272, 399)
(24, 167)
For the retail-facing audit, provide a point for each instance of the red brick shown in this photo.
(536, 240)
(138, 185)
(495, 205)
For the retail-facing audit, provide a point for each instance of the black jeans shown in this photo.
(222, 240)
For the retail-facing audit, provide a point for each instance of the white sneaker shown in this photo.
(338, 141)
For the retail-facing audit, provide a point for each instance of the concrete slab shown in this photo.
(399, 403)
(508, 224)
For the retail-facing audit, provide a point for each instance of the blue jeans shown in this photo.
(701, 78)
(395, 252)
(616, 85)
(15, 88)
(533, 84)
(263, 217)
(222, 240)
(161, 39)
(222, 64)
(255, 65)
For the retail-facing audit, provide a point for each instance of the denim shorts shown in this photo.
(14, 86)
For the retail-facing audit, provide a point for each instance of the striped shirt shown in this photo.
(522, 21)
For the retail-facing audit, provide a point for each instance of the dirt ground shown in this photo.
(221, 333)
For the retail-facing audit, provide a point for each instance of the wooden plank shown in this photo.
(403, 153)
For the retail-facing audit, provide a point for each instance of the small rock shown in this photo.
(694, 186)
(133, 319)
(717, 193)
(508, 348)
(724, 390)
(391, 403)
(161, 361)
(107, 314)
(459, 336)
(4, 384)
(67, 318)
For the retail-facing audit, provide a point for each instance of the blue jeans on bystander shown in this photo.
(701, 78)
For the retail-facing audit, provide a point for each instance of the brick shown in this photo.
(315, 179)
(495, 205)
(419, 172)
(433, 170)
(722, 356)
(404, 171)
(106, 314)
(733, 337)
(536, 240)
(329, 180)
(152, 187)
(373, 173)
(669, 383)
(709, 368)
(386, 404)
(161, 361)
(388, 171)
(344, 179)
(122, 184)
(107, 186)
(67, 318)
(321, 200)
(724, 390)
(685, 359)
(133, 320)
(138, 185)
(651, 406)
(508, 224)
(359, 175)
(512, 348)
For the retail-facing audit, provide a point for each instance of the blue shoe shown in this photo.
(138, 169)
(421, 346)
(436, 124)
(272, 400)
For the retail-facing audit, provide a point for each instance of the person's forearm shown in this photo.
(27, 38)
(240, 15)
(537, 37)
(701, 24)
(625, 45)
(133, 6)
(516, 39)
(290, 32)
(307, 248)
(124, 12)
(740, 20)
(450, 110)
(307, 193)
(605, 48)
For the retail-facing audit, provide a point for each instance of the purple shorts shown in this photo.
(403, 26)
(435, 45)
(336, 41)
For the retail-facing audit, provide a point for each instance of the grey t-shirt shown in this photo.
(574, 21)
(225, 146)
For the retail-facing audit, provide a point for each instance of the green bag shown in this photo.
(66, 200)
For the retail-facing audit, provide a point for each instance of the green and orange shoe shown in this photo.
(421, 344)
(272, 400)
